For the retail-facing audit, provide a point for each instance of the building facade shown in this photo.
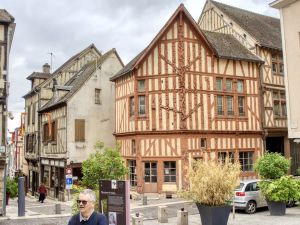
(261, 35)
(39, 95)
(7, 28)
(188, 95)
(79, 114)
(290, 33)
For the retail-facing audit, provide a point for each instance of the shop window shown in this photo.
(132, 173)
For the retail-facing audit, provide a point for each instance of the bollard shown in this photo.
(144, 199)
(57, 208)
(162, 214)
(182, 217)
(137, 219)
(21, 197)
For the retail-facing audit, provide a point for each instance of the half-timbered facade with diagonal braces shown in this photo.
(188, 95)
(261, 35)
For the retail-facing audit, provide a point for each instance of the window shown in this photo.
(79, 130)
(240, 86)
(29, 143)
(241, 105)
(53, 131)
(277, 64)
(46, 132)
(170, 172)
(133, 147)
(33, 113)
(28, 114)
(203, 142)
(132, 173)
(220, 105)
(142, 107)
(219, 84)
(223, 155)
(141, 85)
(246, 161)
(131, 106)
(98, 96)
(228, 85)
(279, 104)
(230, 105)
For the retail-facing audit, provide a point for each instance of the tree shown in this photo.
(105, 163)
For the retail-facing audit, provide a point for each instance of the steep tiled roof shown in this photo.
(77, 81)
(38, 75)
(265, 29)
(228, 47)
(6, 17)
(60, 68)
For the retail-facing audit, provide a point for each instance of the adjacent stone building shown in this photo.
(290, 33)
(190, 94)
(7, 28)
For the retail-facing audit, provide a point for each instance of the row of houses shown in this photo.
(199, 90)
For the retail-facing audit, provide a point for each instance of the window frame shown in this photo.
(170, 177)
(249, 163)
(131, 106)
(79, 134)
(98, 96)
(140, 105)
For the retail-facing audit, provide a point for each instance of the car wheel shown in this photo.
(290, 204)
(251, 207)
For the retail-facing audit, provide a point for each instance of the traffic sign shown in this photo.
(69, 182)
(69, 171)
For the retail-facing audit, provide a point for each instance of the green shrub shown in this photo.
(283, 189)
(11, 187)
(298, 171)
(272, 166)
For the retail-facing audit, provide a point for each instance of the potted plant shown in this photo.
(276, 186)
(211, 187)
(11, 189)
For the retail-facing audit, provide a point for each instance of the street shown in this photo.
(43, 214)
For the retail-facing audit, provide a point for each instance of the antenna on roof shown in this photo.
(51, 56)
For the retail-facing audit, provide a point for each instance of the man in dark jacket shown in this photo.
(87, 215)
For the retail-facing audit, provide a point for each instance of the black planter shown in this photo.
(276, 208)
(214, 215)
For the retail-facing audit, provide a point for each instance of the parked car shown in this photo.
(248, 197)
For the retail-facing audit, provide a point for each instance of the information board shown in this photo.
(114, 201)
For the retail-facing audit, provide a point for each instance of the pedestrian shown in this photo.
(87, 215)
(42, 192)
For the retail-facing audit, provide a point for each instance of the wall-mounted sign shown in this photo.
(69, 182)
(114, 201)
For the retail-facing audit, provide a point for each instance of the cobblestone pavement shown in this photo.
(43, 214)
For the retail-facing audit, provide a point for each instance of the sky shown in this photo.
(65, 27)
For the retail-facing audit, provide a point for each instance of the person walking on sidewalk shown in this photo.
(43, 192)
(87, 215)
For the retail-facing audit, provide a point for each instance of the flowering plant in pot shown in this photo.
(277, 187)
(212, 185)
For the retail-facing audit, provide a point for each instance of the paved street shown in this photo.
(43, 214)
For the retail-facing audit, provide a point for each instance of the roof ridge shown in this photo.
(235, 7)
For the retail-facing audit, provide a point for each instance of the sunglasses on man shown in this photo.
(81, 201)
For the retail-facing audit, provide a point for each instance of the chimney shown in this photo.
(46, 68)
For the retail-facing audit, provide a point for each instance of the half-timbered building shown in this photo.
(261, 35)
(39, 95)
(79, 114)
(188, 95)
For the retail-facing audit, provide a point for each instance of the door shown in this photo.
(150, 177)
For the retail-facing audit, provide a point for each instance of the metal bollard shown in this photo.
(144, 199)
(182, 217)
(57, 208)
(137, 219)
(162, 214)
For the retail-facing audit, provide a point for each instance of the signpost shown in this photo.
(69, 180)
(114, 201)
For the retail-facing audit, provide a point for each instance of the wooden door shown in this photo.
(150, 177)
